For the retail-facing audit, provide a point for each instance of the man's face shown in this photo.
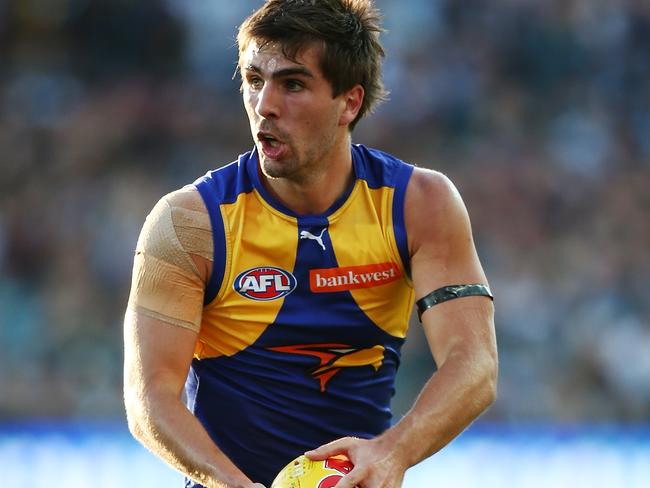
(294, 120)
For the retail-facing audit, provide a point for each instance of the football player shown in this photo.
(270, 298)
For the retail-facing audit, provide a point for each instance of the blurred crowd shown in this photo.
(538, 110)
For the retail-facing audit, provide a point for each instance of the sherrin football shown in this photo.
(305, 473)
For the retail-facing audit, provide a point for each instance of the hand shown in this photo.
(375, 464)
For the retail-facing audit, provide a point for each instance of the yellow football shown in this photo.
(305, 473)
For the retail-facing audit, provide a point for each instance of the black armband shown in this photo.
(449, 293)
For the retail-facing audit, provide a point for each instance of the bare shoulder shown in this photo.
(439, 233)
(432, 189)
(434, 208)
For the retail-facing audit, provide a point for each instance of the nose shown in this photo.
(267, 102)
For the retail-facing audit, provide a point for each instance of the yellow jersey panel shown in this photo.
(363, 237)
(256, 239)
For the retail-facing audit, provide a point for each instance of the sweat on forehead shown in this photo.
(282, 50)
(264, 58)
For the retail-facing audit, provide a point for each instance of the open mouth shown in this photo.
(271, 147)
(268, 139)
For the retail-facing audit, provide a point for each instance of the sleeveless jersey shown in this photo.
(304, 316)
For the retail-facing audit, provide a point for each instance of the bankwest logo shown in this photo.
(264, 283)
(352, 277)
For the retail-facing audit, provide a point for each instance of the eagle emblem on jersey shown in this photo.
(334, 357)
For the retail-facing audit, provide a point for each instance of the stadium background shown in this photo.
(538, 110)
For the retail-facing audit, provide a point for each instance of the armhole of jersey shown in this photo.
(402, 177)
(218, 238)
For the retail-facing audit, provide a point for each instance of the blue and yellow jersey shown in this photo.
(304, 316)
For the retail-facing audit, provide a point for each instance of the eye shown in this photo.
(294, 85)
(255, 82)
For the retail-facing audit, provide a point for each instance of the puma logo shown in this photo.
(305, 234)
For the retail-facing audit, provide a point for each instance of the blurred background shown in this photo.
(538, 110)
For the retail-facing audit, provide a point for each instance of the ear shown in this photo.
(353, 98)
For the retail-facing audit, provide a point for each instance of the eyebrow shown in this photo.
(282, 73)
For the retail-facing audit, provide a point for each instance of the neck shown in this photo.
(318, 192)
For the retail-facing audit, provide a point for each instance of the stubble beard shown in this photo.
(300, 168)
(277, 169)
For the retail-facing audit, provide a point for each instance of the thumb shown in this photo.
(339, 446)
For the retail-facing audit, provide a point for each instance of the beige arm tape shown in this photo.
(166, 282)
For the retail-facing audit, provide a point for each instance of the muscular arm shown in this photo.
(460, 334)
(160, 332)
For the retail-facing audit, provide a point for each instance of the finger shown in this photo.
(339, 446)
(351, 480)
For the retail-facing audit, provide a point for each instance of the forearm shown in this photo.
(453, 397)
(164, 425)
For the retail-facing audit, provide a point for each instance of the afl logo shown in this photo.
(264, 283)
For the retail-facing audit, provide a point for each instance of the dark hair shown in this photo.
(348, 30)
